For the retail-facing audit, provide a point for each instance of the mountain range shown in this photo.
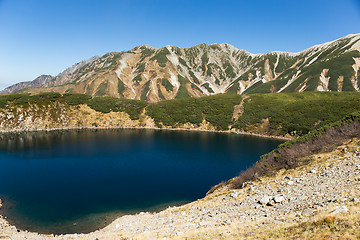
(152, 74)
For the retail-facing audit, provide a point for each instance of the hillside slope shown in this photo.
(283, 114)
(171, 72)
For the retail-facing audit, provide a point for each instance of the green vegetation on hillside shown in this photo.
(167, 84)
(160, 57)
(291, 154)
(182, 93)
(100, 104)
(145, 90)
(207, 86)
(229, 70)
(195, 79)
(121, 87)
(108, 104)
(26, 98)
(234, 88)
(296, 113)
(273, 114)
(218, 110)
(146, 52)
(137, 79)
(141, 68)
(101, 89)
(337, 65)
(76, 98)
(182, 61)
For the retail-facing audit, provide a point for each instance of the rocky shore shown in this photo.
(272, 207)
(63, 117)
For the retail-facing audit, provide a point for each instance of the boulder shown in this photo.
(307, 212)
(279, 199)
(265, 200)
(342, 209)
(234, 194)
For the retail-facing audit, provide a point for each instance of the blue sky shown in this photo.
(46, 36)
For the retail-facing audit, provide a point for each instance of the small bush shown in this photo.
(26, 98)
(76, 98)
(108, 104)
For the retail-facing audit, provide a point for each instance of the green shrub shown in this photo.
(182, 61)
(108, 104)
(196, 80)
(3, 101)
(141, 68)
(146, 52)
(76, 98)
(102, 89)
(182, 93)
(146, 89)
(167, 84)
(234, 88)
(26, 98)
(217, 109)
(297, 113)
(121, 87)
(160, 57)
(207, 86)
(137, 79)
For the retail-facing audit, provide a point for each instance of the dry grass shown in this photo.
(344, 226)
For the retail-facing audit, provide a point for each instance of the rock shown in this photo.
(290, 183)
(353, 200)
(313, 171)
(234, 194)
(5, 237)
(279, 199)
(270, 203)
(342, 209)
(265, 200)
(307, 212)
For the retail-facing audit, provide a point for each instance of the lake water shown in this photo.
(79, 181)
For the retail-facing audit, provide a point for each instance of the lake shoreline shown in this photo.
(148, 128)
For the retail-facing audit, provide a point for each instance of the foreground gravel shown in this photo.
(329, 185)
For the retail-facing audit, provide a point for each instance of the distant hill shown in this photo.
(147, 73)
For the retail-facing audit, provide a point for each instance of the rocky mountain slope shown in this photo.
(170, 72)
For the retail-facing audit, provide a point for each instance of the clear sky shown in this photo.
(47, 36)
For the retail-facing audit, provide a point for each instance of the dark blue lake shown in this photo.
(79, 181)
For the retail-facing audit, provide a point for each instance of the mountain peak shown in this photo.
(144, 46)
(153, 74)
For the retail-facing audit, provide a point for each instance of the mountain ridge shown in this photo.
(156, 74)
